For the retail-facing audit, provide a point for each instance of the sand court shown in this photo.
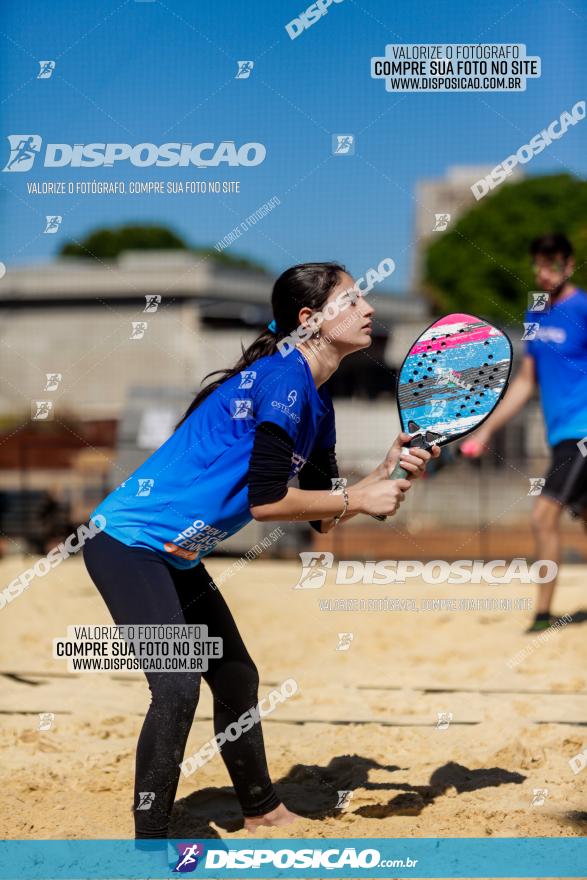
(404, 723)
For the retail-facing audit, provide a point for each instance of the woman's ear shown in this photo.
(303, 315)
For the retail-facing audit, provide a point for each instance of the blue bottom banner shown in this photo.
(367, 858)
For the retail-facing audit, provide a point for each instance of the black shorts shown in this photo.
(566, 480)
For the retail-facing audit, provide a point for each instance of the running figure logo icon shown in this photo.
(344, 799)
(189, 856)
(539, 796)
(338, 484)
(146, 799)
(343, 145)
(153, 301)
(344, 641)
(42, 410)
(314, 568)
(530, 330)
(441, 222)
(53, 223)
(444, 719)
(23, 151)
(138, 329)
(241, 409)
(538, 301)
(145, 486)
(536, 485)
(46, 69)
(247, 378)
(53, 380)
(245, 68)
(46, 720)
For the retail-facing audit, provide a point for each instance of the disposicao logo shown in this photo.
(189, 854)
(24, 149)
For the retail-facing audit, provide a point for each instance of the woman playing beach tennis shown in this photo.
(230, 459)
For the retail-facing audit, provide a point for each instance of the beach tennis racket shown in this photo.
(451, 380)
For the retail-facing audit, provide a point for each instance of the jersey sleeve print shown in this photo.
(280, 396)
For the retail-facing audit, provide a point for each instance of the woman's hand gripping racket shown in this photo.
(451, 380)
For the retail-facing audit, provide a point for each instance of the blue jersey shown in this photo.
(192, 492)
(559, 349)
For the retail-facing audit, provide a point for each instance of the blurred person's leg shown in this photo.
(565, 487)
(546, 527)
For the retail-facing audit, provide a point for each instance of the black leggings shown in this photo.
(140, 587)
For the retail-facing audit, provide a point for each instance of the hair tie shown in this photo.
(272, 326)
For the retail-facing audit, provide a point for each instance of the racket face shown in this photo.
(452, 378)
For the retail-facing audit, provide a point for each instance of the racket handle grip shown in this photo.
(398, 473)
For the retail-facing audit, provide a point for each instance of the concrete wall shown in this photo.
(92, 350)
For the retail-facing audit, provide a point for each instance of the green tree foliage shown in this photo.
(107, 244)
(482, 265)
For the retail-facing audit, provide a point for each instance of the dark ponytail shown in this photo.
(309, 285)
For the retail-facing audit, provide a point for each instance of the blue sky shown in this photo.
(155, 72)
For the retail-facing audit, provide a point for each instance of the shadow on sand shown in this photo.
(313, 791)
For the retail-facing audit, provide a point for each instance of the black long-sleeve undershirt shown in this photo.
(270, 466)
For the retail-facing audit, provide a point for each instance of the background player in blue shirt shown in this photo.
(555, 360)
(231, 457)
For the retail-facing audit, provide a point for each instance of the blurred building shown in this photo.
(439, 202)
(100, 359)
(156, 319)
